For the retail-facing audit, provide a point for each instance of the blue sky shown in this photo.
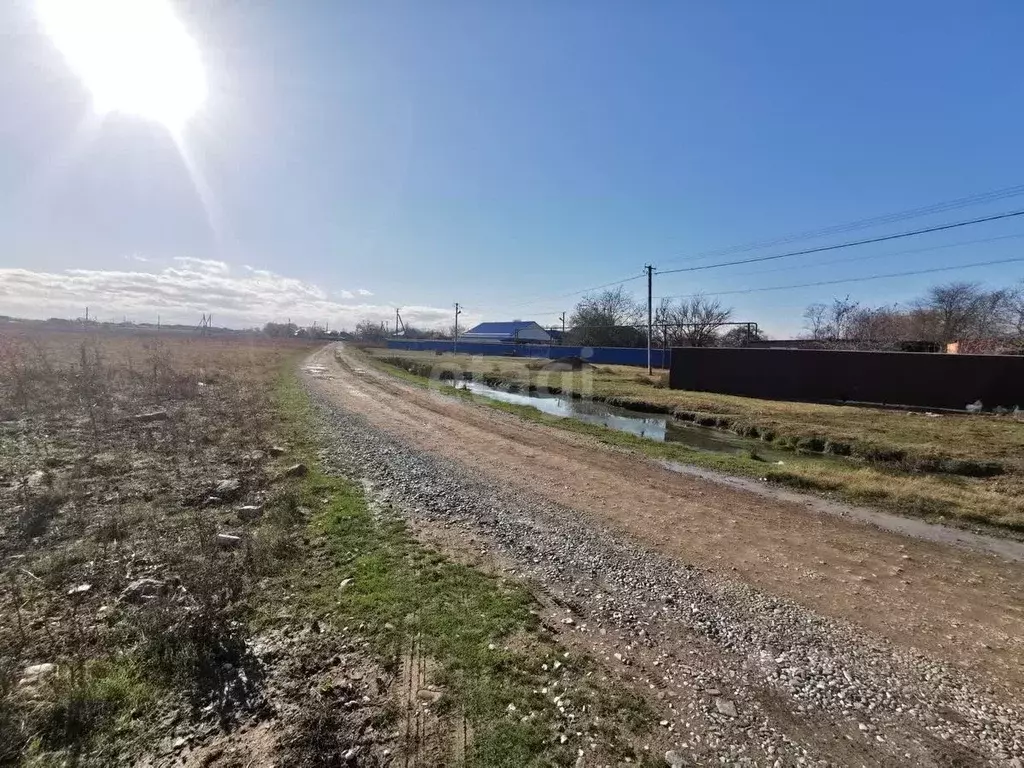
(355, 156)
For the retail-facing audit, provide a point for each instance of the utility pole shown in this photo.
(650, 274)
(563, 327)
(455, 343)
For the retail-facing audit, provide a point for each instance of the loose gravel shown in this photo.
(742, 677)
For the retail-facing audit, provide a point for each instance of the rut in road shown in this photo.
(820, 683)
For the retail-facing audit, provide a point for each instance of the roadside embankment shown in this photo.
(960, 469)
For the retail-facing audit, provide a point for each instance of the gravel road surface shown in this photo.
(763, 631)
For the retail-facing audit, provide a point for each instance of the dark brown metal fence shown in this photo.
(893, 378)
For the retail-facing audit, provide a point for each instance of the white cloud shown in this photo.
(364, 292)
(203, 265)
(137, 257)
(189, 288)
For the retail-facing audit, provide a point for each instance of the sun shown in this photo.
(135, 56)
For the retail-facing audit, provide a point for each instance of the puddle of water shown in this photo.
(661, 429)
(317, 371)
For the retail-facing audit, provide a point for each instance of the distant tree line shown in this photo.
(953, 312)
(613, 318)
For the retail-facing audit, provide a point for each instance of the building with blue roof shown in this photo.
(515, 332)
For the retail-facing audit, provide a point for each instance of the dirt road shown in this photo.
(959, 607)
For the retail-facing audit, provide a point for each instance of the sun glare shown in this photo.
(135, 56)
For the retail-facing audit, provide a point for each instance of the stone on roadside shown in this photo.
(227, 489)
(674, 759)
(276, 450)
(250, 512)
(35, 479)
(81, 589)
(36, 673)
(149, 416)
(142, 589)
(296, 470)
(228, 540)
(726, 707)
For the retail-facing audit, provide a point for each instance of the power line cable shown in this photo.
(851, 244)
(941, 207)
(832, 262)
(873, 256)
(891, 218)
(846, 280)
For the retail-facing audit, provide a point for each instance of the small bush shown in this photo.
(810, 444)
(971, 468)
(837, 448)
(878, 453)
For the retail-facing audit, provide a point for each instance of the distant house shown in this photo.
(516, 332)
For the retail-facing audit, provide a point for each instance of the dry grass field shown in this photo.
(125, 562)
(171, 550)
(957, 468)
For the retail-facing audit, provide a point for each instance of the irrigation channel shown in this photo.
(662, 429)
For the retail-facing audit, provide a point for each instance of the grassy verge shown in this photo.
(493, 663)
(941, 497)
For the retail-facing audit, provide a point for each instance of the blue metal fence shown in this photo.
(596, 355)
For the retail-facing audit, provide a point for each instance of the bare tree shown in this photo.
(611, 318)
(1015, 312)
(370, 331)
(962, 311)
(816, 320)
(280, 329)
(740, 336)
(879, 324)
(694, 321)
(831, 322)
(959, 311)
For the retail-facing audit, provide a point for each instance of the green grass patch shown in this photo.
(481, 633)
(85, 713)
